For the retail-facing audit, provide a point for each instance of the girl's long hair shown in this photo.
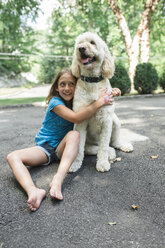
(53, 90)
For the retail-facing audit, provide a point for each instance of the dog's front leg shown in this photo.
(103, 163)
(115, 137)
(82, 129)
(93, 150)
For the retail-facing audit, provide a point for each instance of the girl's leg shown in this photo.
(67, 151)
(17, 161)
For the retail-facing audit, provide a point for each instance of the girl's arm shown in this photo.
(85, 113)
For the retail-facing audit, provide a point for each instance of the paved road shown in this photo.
(38, 91)
(91, 199)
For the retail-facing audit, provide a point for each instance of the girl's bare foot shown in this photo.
(35, 198)
(55, 187)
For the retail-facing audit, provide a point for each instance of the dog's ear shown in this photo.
(75, 67)
(108, 66)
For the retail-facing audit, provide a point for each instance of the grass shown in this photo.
(15, 101)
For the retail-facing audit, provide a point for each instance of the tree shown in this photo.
(15, 34)
(72, 17)
(141, 38)
(68, 20)
(145, 36)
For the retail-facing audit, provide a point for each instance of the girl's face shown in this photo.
(66, 87)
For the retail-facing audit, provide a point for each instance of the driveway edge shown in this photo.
(119, 98)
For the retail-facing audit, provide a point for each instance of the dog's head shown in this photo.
(92, 54)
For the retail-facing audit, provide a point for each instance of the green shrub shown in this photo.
(162, 80)
(49, 67)
(146, 78)
(13, 67)
(121, 79)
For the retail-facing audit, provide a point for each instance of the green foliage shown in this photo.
(67, 22)
(157, 37)
(161, 74)
(162, 78)
(69, 19)
(15, 35)
(121, 79)
(146, 78)
(50, 67)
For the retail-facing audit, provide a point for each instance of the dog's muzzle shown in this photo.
(84, 58)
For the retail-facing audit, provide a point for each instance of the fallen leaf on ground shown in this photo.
(134, 207)
(154, 156)
(112, 223)
(118, 159)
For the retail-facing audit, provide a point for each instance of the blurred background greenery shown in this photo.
(33, 55)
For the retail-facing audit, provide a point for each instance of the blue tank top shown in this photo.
(54, 128)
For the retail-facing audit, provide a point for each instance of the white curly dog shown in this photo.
(93, 64)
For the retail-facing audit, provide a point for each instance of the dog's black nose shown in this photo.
(82, 49)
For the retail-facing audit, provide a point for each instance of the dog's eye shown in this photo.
(92, 42)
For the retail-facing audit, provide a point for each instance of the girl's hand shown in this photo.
(116, 92)
(105, 98)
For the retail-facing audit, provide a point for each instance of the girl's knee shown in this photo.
(12, 157)
(9, 157)
(74, 136)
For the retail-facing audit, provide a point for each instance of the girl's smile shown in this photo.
(66, 87)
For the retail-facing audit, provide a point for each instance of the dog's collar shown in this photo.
(91, 79)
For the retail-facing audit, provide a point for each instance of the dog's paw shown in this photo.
(103, 166)
(75, 166)
(111, 154)
(125, 147)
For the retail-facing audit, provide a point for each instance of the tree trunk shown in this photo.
(141, 36)
(133, 60)
(132, 47)
(3, 40)
(122, 24)
(145, 46)
(145, 37)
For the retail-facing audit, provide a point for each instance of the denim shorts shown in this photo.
(51, 153)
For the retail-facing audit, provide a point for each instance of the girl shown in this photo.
(56, 139)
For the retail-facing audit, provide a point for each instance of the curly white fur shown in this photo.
(92, 58)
